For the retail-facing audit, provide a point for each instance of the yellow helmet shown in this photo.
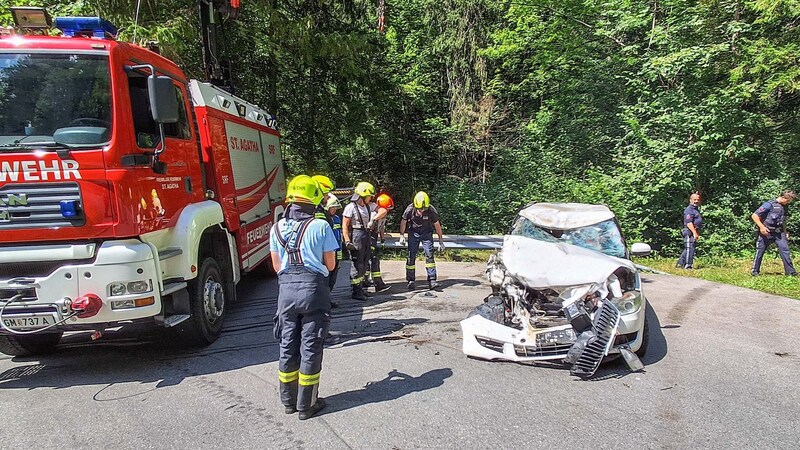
(303, 189)
(325, 183)
(364, 189)
(421, 200)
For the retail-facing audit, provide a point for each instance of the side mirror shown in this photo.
(163, 102)
(164, 107)
(640, 249)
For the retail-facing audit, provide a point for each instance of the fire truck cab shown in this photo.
(128, 192)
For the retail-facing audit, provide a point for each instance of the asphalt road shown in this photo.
(721, 372)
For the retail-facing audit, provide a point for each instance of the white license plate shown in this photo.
(29, 321)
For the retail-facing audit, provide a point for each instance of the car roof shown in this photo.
(566, 216)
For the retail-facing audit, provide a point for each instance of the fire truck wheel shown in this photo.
(208, 305)
(30, 344)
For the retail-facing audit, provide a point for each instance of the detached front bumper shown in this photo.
(129, 265)
(487, 339)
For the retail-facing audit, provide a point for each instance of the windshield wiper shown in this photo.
(49, 145)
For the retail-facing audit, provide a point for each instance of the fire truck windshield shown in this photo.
(49, 100)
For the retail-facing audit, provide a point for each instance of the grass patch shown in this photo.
(734, 271)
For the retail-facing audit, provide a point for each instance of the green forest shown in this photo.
(491, 104)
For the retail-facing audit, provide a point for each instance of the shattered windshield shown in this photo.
(526, 228)
(603, 237)
(54, 98)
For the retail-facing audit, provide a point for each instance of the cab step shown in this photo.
(171, 321)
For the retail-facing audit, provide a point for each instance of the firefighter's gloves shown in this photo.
(382, 245)
(350, 246)
(370, 224)
(402, 240)
(441, 245)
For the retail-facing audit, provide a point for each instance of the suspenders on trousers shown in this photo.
(301, 324)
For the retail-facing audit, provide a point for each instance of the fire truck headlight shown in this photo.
(139, 287)
(115, 289)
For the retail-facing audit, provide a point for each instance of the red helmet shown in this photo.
(384, 201)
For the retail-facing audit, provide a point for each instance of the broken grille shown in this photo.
(605, 324)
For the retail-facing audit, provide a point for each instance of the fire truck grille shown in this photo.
(39, 206)
(32, 269)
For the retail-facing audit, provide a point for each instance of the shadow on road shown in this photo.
(147, 354)
(395, 385)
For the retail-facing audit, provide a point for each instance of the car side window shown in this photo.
(145, 128)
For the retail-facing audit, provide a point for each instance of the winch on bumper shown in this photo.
(108, 283)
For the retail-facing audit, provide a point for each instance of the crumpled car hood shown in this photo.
(540, 264)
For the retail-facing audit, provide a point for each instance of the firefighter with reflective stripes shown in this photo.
(303, 248)
(326, 185)
(355, 234)
(332, 205)
(327, 211)
(421, 219)
(377, 228)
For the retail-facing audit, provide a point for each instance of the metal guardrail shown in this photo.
(456, 241)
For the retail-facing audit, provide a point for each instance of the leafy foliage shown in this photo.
(489, 105)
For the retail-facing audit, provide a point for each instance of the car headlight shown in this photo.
(629, 303)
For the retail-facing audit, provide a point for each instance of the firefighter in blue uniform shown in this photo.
(692, 222)
(303, 248)
(421, 219)
(770, 218)
(332, 205)
(326, 210)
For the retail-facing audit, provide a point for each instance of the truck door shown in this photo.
(157, 199)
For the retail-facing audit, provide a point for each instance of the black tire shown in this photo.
(29, 344)
(645, 339)
(207, 296)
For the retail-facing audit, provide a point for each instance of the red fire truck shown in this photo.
(128, 192)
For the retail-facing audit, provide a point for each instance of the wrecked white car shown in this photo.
(563, 289)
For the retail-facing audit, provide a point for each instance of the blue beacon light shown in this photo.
(69, 208)
(77, 26)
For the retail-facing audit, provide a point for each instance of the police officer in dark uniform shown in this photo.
(304, 250)
(770, 218)
(692, 222)
(421, 219)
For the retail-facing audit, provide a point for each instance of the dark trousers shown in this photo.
(414, 242)
(301, 323)
(782, 242)
(375, 261)
(689, 249)
(360, 259)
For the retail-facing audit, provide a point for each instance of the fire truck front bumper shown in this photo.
(77, 286)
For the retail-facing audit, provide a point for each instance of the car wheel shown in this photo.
(645, 339)
(30, 344)
(207, 293)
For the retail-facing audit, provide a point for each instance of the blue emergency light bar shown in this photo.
(78, 26)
